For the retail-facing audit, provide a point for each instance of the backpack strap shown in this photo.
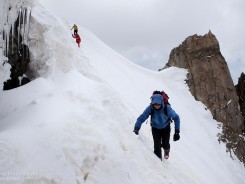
(165, 109)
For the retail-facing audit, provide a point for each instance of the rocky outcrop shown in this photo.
(18, 54)
(210, 81)
(240, 89)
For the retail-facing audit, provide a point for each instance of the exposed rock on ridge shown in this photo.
(210, 81)
(17, 50)
(240, 89)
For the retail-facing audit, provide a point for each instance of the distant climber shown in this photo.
(160, 123)
(75, 29)
(78, 39)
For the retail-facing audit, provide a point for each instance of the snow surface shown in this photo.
(74, 122)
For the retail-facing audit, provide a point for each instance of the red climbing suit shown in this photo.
(78, 39)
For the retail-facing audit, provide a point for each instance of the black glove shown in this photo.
(136, 131)
(176, 135)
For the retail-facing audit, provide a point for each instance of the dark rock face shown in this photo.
(210, 81)
(240, 89)
(19, 59)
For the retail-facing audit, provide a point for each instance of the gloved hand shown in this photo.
(136, 131)
(176, 135)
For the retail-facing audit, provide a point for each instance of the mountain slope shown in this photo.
(74, 123)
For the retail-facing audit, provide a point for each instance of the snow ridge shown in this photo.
(74, 122)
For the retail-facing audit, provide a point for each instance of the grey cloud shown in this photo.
(157, 26)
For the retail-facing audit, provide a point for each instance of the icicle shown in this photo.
(23, 25)
(28, 27)
(28, 24)
(9, 12)
(4, 26)
(13, 29)
(26, 13)
(12, 14)
(7, 42)
(4, 44)
(12, 26)
(20, 12)
(2, 21)
(23, 30)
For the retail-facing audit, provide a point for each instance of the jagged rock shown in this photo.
(11, 83)
(24, 81)
(210, 81)
(240, 89)
(18, 58)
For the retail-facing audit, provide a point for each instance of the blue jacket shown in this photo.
(159, 119)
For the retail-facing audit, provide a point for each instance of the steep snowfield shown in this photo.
(74, 123)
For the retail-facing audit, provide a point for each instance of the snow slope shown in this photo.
(74, 122)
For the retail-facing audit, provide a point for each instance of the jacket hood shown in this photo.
(157, 99)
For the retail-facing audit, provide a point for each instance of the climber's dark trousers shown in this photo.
(161, 139)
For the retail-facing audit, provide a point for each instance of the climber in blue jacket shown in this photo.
(160, 122)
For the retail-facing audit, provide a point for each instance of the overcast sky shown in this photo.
(145, 31)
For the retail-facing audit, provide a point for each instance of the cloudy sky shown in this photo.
(145, 31)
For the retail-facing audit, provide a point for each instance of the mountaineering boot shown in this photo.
(166, 154)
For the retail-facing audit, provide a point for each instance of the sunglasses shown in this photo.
(157, 105)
